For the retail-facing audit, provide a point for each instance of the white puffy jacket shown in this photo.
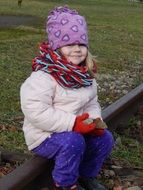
(50, 108)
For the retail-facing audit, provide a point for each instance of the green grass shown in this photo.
(133, 154)
(13, 141)
(115, 35)
(15, 66)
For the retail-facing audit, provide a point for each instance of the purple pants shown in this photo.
(75, 155)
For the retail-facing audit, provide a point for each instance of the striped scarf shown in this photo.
(67, 74)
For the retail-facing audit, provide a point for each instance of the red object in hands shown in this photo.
(82, 127)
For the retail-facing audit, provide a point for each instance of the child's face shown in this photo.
(74, 53)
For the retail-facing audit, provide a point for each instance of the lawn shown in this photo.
(115, 36)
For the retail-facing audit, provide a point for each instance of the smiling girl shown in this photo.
(60, 104)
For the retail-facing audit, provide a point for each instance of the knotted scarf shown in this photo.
(67, 74)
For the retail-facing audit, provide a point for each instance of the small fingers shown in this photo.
(91, 127)
(84, 116)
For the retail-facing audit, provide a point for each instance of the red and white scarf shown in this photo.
(67, 74)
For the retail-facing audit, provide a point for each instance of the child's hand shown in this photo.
(82, 127)
(100, 127)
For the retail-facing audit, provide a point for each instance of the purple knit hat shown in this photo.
(65, 27)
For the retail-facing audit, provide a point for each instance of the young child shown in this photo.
(59, 101)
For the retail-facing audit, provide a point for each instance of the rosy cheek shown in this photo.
(68, 58)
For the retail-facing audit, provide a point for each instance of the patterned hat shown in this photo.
(65, 27)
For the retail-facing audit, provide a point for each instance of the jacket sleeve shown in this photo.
(37, 94)
(93, 106)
